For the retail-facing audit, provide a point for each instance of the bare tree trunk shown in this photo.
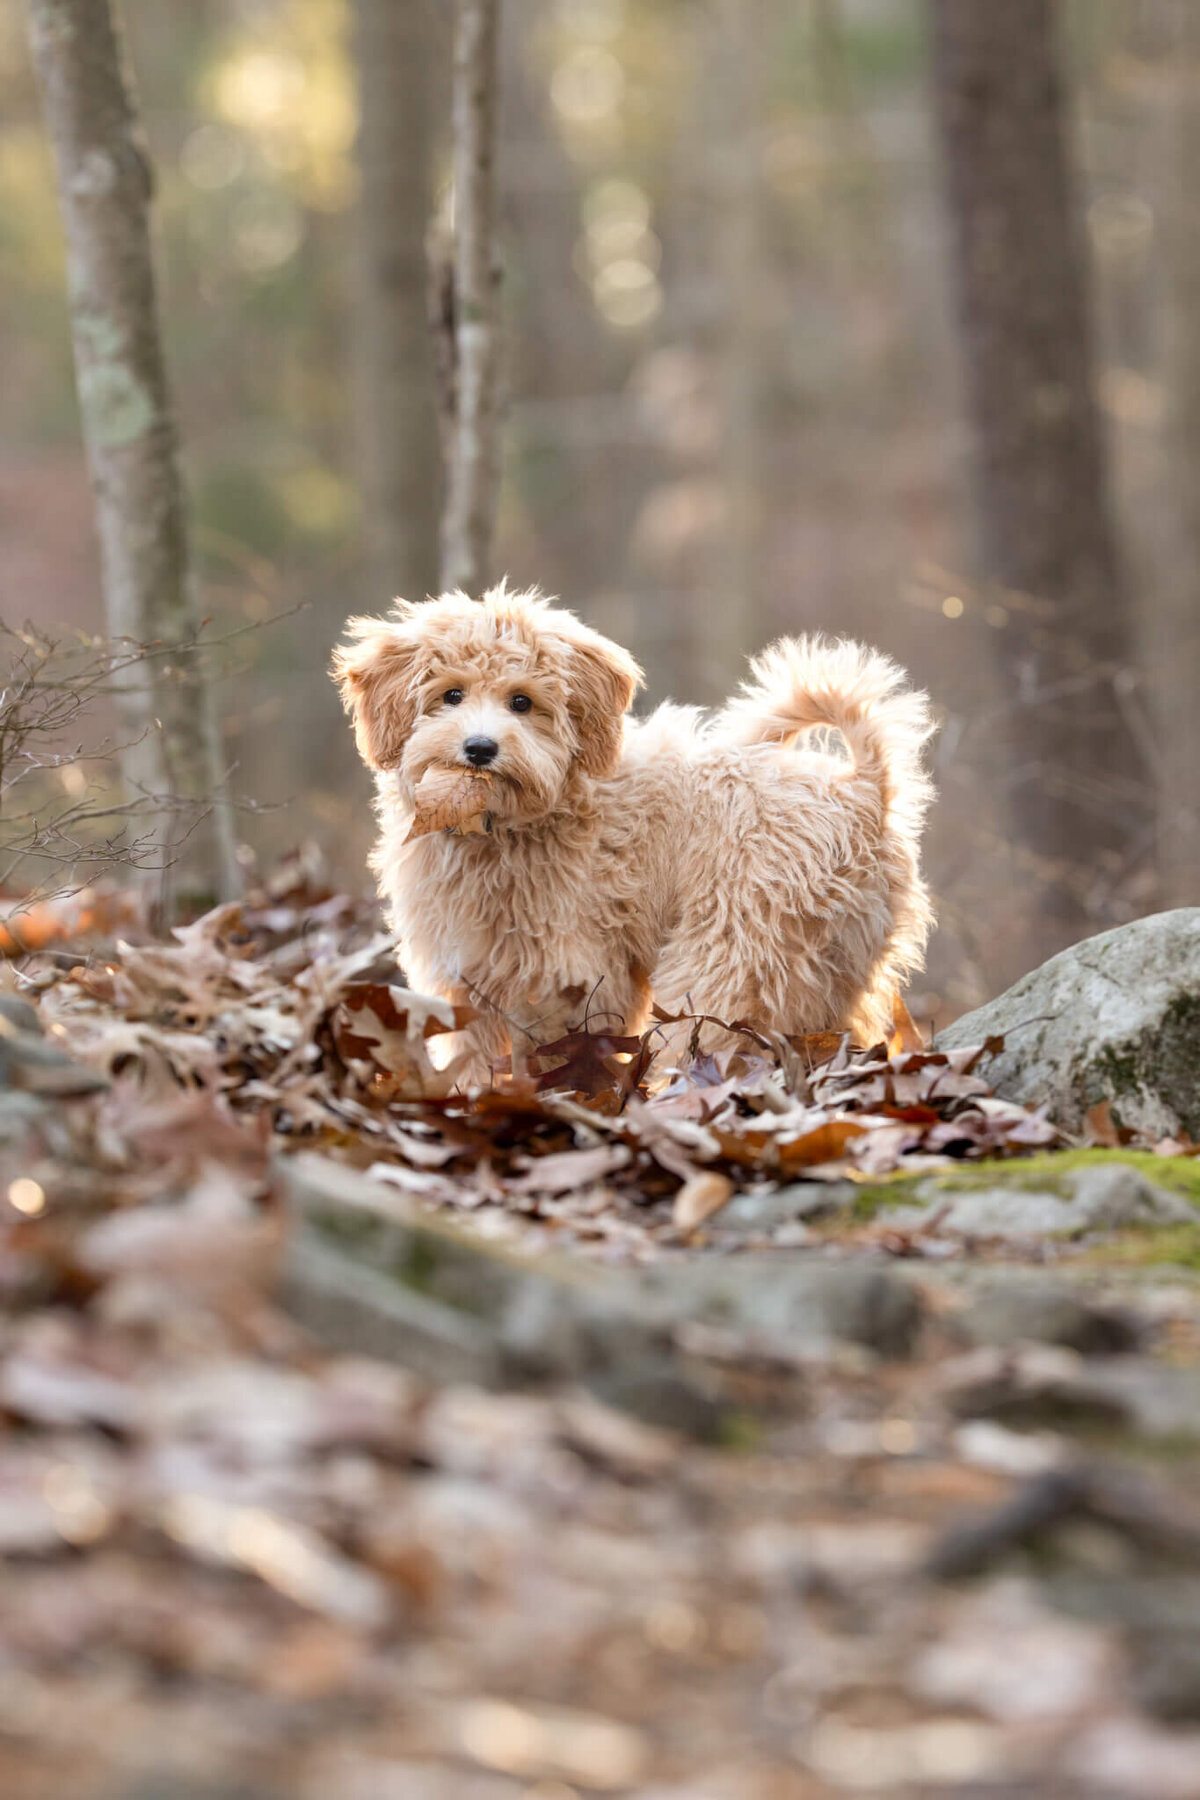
(1043, 506)
(395, 42)
(105, 187)
(471, 309)
(1174, 628)
(733, 628)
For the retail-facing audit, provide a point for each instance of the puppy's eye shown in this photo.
(452, 697)
(520, 703)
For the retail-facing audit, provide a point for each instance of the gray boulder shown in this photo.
(1114, 1018)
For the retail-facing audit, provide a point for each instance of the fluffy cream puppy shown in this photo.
(703, 863)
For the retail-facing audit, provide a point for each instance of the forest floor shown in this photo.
(794, 1424)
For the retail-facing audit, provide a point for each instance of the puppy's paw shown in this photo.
(451, 800)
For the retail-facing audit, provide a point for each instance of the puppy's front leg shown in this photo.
(469, 1058)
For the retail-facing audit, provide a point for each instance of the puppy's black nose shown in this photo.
(480, 751)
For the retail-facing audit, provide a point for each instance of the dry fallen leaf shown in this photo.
(825, 1143)
(699, 1198)
(906, 1034)
(565, 1171)
(289, 1557)
(27, 925)
(586, 1063)
(553, 1745)
(1101, 1126)
(451, 800)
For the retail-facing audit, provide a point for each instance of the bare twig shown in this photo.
(63, 819)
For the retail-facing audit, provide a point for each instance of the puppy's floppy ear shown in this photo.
(602, 680)
(375, 673)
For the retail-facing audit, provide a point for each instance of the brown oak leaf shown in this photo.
(451, 800)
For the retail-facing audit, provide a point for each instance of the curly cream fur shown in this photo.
(701, 862)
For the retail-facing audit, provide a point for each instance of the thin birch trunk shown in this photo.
(472, 389)
(396, 413)
(105, 185)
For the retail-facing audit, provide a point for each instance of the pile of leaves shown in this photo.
(234, 1558)
(291, 1008)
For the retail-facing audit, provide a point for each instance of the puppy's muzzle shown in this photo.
(480, 751)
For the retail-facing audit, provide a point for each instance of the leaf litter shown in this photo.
(294, 1017)
(233, 1559)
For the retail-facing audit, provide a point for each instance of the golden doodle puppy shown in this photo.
(703, 863)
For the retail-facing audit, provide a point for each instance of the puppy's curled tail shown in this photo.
(799, 683)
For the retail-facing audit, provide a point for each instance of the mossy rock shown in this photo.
(1061, 1195)
(1115, 1018)
(1050, 1172)
(1053, 1170)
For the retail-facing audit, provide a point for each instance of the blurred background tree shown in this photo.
(170, 757)
(738, 391)
(467, 322)
(399, 55)
(1047, 540)
(1171, 30)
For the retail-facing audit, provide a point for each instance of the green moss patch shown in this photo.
(1174, 1246)
(874, 1197)
(1050, 1172)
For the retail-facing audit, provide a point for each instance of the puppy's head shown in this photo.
(507, 683)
